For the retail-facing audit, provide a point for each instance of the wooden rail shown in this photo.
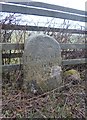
(39, 11)
(53, 7)
(10, 46)
(13, 46)
(39, 28)
(64, 62)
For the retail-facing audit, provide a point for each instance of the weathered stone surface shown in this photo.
(42, 63)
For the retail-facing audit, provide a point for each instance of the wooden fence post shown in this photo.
(0, 80)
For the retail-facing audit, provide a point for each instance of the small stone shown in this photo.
(72, 76)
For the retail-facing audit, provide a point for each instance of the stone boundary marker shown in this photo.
(42, 63)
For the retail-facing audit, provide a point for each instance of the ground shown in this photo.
(66, 102)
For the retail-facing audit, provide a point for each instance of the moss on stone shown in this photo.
(71, 72)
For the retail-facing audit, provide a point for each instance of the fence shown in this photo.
(48, 10)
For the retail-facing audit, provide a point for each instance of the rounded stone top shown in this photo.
(42, 47)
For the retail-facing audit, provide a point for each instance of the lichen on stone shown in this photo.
(42, 62)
